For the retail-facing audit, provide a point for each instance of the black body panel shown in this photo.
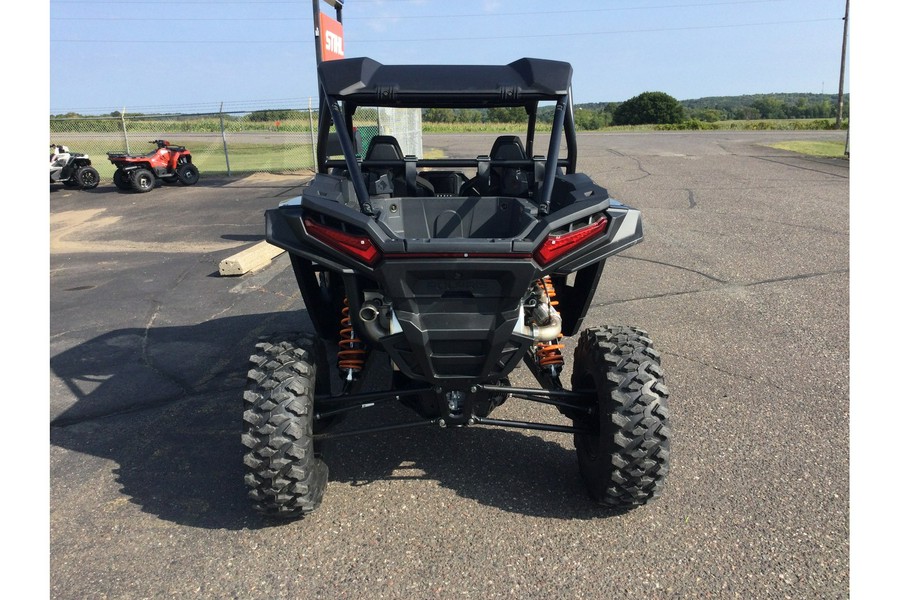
(447, 278)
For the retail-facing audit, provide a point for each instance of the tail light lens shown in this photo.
(555, 246)
(359, 247)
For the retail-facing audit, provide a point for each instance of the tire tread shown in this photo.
(626, 463)
(285, 478)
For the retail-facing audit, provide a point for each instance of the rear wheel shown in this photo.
(625, 460)
(87, 177)
(143, 180)
(285, 477)
(187, 174)
(120, 179)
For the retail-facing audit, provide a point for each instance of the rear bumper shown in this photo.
(455, 303)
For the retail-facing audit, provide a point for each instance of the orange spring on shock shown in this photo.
(352, 353)
(547, 284)
(549, 354)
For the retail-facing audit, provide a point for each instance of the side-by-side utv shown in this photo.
(458, 270)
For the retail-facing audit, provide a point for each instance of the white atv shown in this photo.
(72, 169)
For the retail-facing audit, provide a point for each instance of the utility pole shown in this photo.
(338, 6)
(840, 107)
(324, 115)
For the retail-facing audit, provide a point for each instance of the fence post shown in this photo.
(125, 132)
(312, 135)
(224, 142)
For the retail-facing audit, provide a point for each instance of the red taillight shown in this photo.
(357, 246)
(429, 255)
(557, 245)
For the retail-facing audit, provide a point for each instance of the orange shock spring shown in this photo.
(547, 284)
(548, 354)
(352, 353)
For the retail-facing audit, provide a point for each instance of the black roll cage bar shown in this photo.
(338, 110)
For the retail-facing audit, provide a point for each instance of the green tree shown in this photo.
(707, 115)
(590, 119)
(770, 107)
(507, 114)
(649, 108)
(439, 115)
(469, 115)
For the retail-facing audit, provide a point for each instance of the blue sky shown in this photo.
(189, 55)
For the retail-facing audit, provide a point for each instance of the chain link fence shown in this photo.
(221, 143)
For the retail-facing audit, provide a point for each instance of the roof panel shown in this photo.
(368, 82)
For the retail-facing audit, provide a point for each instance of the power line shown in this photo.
(122, 4)
(235, 106)
(461, 39)
(348, 18)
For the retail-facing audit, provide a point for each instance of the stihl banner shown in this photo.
(331, 36)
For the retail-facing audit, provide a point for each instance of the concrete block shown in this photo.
(252, 258)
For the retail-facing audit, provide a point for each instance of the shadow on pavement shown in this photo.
(165, 405)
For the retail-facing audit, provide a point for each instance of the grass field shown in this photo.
(813, 148)
(253, 158)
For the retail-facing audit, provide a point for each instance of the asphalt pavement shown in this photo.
(742, 282)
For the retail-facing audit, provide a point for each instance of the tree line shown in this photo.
(656, 108)
(661, 108)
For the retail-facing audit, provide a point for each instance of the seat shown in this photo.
(512, 180)
(508, 147)
(387, 148)
(384, 147)
(499, 180)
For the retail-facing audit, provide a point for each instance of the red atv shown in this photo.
(171, 164)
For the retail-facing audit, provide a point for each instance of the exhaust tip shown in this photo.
(368, 313)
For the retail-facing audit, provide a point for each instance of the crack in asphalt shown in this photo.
(692, 199)
(727, 372)
(787, 164)
(637, 161)
(640, 167)
(798, 277)
(679, 267)
(727, 285)
(145, 350)
(742, 376)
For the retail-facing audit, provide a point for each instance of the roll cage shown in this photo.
(346, 85)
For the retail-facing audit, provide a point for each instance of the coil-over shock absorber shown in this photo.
(352, 350)
(549, 354)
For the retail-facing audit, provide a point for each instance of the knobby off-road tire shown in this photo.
(626, 463)
(187, 174)
(143, 180)
(120, 179)
(285, 477)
